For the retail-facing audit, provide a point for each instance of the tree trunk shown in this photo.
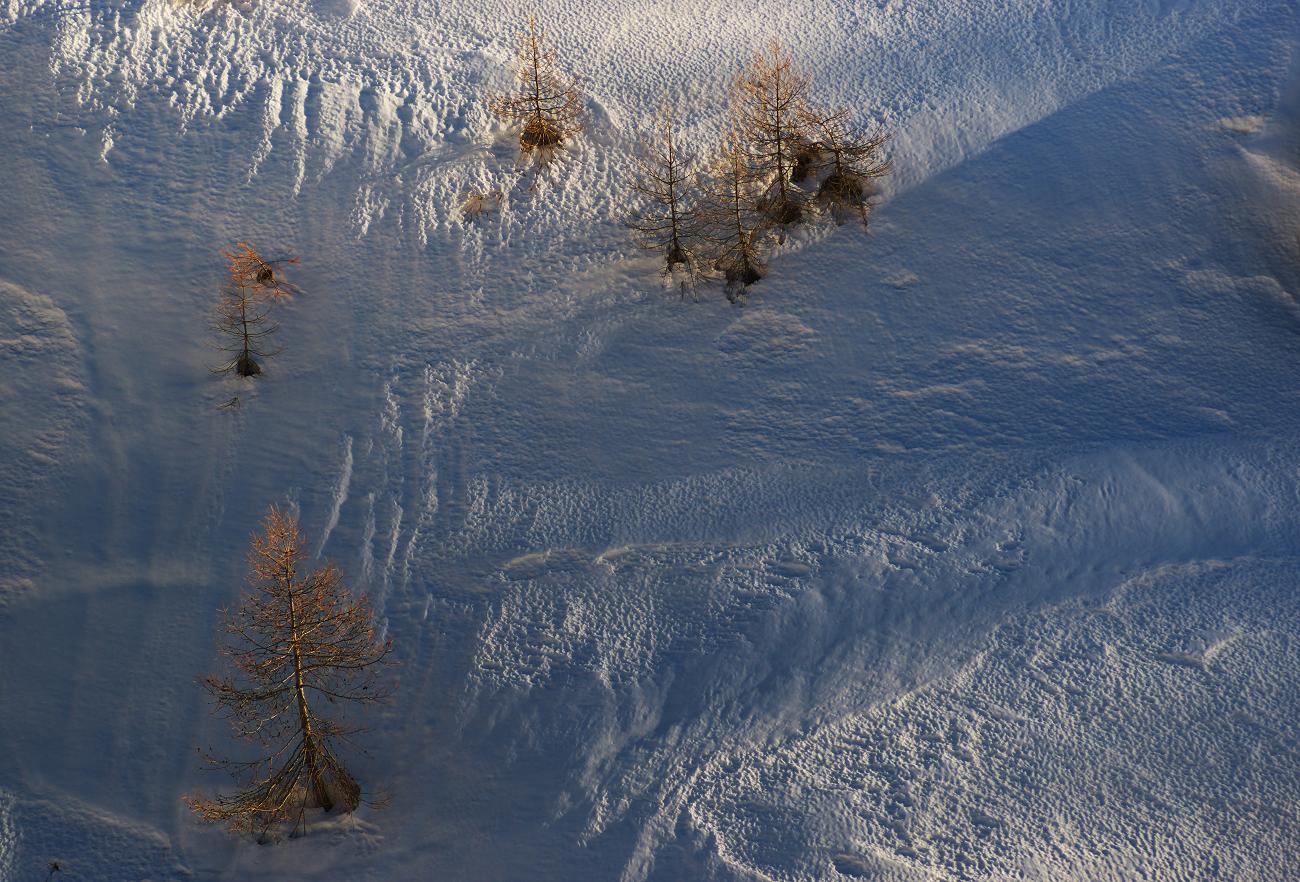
(310, 750)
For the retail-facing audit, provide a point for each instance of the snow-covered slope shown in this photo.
(965, 550)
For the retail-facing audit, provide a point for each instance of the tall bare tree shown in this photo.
(770, 97)
(732, 221)
(851, 161)
(547, 102)
(667, 223)
(242, 322)
(297, 642)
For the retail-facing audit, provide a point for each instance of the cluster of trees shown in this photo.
(301, 648)
(784, 158)
(242, 316)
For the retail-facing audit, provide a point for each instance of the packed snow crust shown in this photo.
(966, 550)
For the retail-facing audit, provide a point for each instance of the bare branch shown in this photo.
(249, 268)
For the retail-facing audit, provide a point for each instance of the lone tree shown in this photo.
(296, 642)
(668, 223)
(770, 99)
(547, 102)
(243, 325)
(243, 310)
(851, 160)
(732, 221)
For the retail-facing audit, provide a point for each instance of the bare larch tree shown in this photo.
(667, 222)
(243, 311)
(769, 101)
(242, 322)
(297, 643)
(731, 219)
(547, 101)
(852, 161)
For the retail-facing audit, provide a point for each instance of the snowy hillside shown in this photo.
(967, 549)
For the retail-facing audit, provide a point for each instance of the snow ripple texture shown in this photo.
(965, 550)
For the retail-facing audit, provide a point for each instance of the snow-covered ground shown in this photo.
(968, 549)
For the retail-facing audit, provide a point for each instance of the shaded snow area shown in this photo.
(967, 549)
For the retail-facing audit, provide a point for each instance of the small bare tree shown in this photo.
(732, 221)
(547, 102)
(243, 310)
(242, 322)
(295, 642)
(852, 161)
(667, 223)
(770, 97)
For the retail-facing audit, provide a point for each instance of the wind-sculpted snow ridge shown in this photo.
(752, 694)
(1143, 731)
(1268, 195)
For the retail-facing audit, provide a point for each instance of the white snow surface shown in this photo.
(967, 549)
